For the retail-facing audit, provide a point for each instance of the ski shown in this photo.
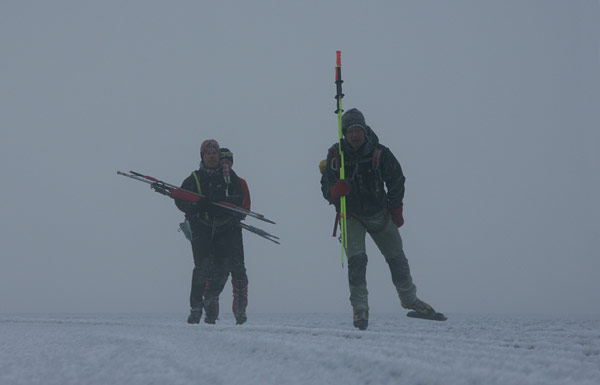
(260, 232)
(190, 196)
(433, 317)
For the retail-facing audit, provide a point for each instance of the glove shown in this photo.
(397, 217)
(339, 189)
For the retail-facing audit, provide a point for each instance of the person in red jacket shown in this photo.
(234, 264)
(237, 267)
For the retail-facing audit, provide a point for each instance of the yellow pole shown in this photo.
(339, 111)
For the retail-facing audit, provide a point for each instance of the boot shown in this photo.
(361, 320)
(240, 300)
(211, 309)
(240, 319)
(423, 310)
(195, 315)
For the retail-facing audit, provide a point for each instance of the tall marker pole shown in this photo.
(339, 95)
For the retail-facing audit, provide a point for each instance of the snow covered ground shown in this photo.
(298, 349)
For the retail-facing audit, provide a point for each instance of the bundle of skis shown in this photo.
(190, 196)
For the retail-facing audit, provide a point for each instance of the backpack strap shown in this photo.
(335, 161)
(375, 163)
(199, 189)
(197, 182)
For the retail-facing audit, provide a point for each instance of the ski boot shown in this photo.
(195, 315)
(361, 320)
(211, 309)
(423, 310)
(240, 319)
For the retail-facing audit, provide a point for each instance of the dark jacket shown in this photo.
(202, 215)
(366, 177)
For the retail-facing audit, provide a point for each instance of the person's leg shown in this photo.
(235, 251)
(217, 278)
(200, 249)
(224, 249)
(389, 242)
(357, 272)
(239, 278)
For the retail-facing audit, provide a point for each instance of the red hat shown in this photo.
(207, 144)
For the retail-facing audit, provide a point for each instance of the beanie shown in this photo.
(353, 118)
(208, 144)
(227, 155)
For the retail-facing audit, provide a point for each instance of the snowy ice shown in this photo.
(298, 349)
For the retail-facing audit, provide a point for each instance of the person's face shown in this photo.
(211, 158)
(356, 137)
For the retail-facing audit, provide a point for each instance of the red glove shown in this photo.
(397, 216)
(339, 189)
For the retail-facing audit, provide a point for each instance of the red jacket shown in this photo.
(246, 202)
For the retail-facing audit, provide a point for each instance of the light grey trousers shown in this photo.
(386, 236)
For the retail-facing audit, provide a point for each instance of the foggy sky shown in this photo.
(491, 107)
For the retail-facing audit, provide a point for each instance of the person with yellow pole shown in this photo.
(365, 182)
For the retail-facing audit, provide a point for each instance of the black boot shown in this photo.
(195, 315)
(211, 309)
(423, 310)
(240, 300)
(361, 320)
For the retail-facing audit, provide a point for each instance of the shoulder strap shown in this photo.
(376, 161)
(197, 182)
(199, 189)
(335, 161)
(335, 151)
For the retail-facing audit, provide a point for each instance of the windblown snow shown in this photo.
(298, 349)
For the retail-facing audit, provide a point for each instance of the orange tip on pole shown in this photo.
(339, 58)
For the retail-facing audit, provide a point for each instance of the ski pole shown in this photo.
(260, 232)
(339, 95)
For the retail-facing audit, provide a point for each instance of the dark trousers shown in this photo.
(215, 255)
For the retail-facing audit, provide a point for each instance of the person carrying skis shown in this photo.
(234, 263)
(216, 232)
(371, 209)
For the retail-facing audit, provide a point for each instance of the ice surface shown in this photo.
(298, 349)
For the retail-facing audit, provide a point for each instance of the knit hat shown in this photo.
(209, 144)
(227, 155)
(353, 118)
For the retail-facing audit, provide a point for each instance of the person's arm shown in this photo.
(394, 179)
(190, 208)
(246, 203)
